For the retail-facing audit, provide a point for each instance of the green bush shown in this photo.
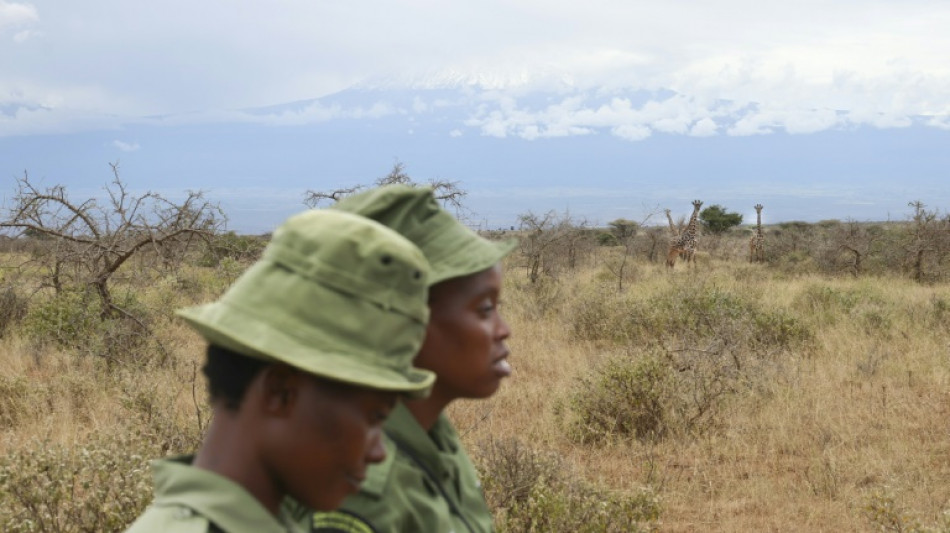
(795, 262)
(779, 328)
(153, 407)
(688, 315)
(605, 238)
(593, 316)
(101, 485)
(828, 302)
(66, 320)
(624, 398)
(536, 300)
(242, 248)
(656, 393)
(863, 306)
(13, 308)
(73, 321)
(23, 399)
(940, 312)
(531, 491)
(16, 400)
(883, 510)
(715, 341)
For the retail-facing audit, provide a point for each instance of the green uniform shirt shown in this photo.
(427, 484)
(195, 500)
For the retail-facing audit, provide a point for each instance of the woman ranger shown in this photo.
(308, 353)
(428, 483)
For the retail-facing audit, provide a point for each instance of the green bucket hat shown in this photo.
(334, 294)
(453, 250)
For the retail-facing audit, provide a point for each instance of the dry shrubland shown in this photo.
(809, 392)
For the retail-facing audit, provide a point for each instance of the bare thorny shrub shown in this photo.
(918, 248)
(446, 191)
(552, 243)
(79, 247)
(86, 243)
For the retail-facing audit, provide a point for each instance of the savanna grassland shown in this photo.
(807, 392)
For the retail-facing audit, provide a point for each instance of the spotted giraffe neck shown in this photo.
(673, 229)
(757, 243)
(687, 239)
(691, 227)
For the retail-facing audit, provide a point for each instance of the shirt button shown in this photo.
(183, 513)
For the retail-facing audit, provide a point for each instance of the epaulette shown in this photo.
(339, 522)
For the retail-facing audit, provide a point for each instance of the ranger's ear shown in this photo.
(281, 387)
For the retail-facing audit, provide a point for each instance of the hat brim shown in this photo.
(241, 331)
(465, 256)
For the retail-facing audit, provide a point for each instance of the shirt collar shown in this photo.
(402, 427)
(225, 503)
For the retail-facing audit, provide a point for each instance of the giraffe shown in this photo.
(757, 242)
(673, 229)
(685, 243)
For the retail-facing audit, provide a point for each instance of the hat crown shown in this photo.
(451, 248)
(334, 294)
(371, 262)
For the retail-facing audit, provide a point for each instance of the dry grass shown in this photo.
(819, 431)
(860, 411)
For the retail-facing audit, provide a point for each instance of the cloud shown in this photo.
(704, 127)
(13, 14)
(676, 114)
(126, 147)
(419, 106)
(855, 64)
(940, 122)
(631, 132)
(39, 120)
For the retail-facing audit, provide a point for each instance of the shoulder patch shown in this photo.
(339, 522)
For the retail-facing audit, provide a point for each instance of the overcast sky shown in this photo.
(68, 64)
(725, 68)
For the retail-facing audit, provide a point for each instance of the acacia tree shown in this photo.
(623, 231)
(927, 242)
(86, 242)
(657, 238)
(716, 220)
(857, 241)
(447, 192)
(550, 241)
(539, 237)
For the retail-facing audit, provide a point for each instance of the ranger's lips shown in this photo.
(501, 366)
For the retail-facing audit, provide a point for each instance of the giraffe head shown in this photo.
(697, 204)
(758, 208)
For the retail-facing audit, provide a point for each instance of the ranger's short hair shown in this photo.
(229, 375)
